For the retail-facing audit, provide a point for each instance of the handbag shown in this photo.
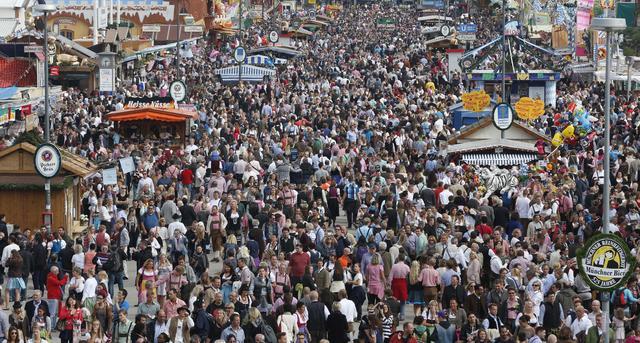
(60, 324)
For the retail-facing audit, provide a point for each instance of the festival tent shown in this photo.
(143, 122)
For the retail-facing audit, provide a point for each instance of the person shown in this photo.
(16, 283)
(146, 278)
(36, 336)
(159, 325)
(596, 332)
(397, 281)
(234, 329)
(337, 326)
(150, 307)
(31, 308)
(14, 336)
(54, 292)
(286, 322)
(375, 280)
(122, 328)
(71, 314)
(180, 326)
(173, 304)
(41, 321)
(96, 333)
(406, 335)
(318, 314)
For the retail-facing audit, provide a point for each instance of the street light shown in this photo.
(607, 25)
(45, 10)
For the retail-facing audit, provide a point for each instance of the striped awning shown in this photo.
(498, 159)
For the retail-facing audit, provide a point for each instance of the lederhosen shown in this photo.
(288, 207)
(216, 232)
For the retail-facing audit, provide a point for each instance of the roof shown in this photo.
(499, 159)
(18, 71)
(278, 49)
(7, 26)
(150, 113)
(77, 47)
(491, 144)
(72, 163)
(486, 121)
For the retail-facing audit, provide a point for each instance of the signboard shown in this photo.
(151, 28)
(502, 116)
(605, 262)
(178, 91)
(475, 101)
(434, 4)
(31, 122)
(106, 80)
(529, 109)
(47, 160)
(467, 28)
(466, 37)
(109, 176)
(155, 102)
(436, 40)
(429, 29)
(386, 23)
(32, 48)
(274, 37)
(127, 165)
(239, 54)
(445, 30)
(41, 75)
(193, 28)
(54, 71)
(511, 28)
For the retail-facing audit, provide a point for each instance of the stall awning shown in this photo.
(150, 113)
(498, 159)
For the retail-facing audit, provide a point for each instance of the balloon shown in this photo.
(568, 132)
(431, 86)
(557, 139)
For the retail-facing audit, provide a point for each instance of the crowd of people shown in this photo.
(323, 196)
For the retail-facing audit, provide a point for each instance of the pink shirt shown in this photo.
(430, 277)
(399, 271)
(171, 308)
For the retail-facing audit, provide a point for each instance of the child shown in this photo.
(619, 320)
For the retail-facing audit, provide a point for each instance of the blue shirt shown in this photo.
(352, 191)
(150, 220)
(230, 331)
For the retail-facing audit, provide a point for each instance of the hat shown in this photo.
(184, 308)
(17, 305)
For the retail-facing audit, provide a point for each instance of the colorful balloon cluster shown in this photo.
(576, 132)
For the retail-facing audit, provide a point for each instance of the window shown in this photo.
(67, 34)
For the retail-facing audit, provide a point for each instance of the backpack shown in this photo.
(619, 299)
(117, 262)
(56, 246)
(269, 334)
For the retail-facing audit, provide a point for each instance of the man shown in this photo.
(594, 333)
(580, 324)
(180, 326)
(350, 201)
(453, 291)
(492, 321)
(246, 275)
(430, 281)
(115, 268)
(121, 302)
(404, 336)
(318, 314)
(475, 302)
(187, 213)
(31, 307)
(539, 335)
(322, 276)
(202, 320)
(157, 326)
(216, 224)
(149, 307)
(298, 262)
(348, 308)
(178, 245)
(173, 303)
(234, 329)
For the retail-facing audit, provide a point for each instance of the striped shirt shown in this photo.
(352, 191)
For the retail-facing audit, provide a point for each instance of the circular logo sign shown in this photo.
(47, 160)
(445, 30)
(606, 262)
(239, 54)
(274, 37)
(178, 91)
(502, 116)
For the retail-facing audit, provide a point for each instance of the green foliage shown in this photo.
(631, 43)
(29, 137)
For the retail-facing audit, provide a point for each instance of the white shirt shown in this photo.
(522, 206)
(6, 252)
(89, 290)
(579, 325)
(348, 308)
(78, 260)
(163, 328)
(444, 197)
(187, 321)
(176, 226)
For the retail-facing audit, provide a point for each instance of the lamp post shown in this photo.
(45, 10)
(504, 56)
(607, 25)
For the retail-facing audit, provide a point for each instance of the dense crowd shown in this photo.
(262, 187)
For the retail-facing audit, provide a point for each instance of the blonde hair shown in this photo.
(414, 274)
(231, 239)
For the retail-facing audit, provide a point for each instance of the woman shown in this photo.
(15, 283)
(337, 326)
(77, 260)
(88, 259)
(398, 282)
(473, 270)
(71, 314)
(36, 336)
(416, 290)
(244, 301)
(43, 322)
(76, 284)
(370, 329)
(14, 335)
(286, 322)
(103, 311)
(227, 278)
(470, 328)
(387, 320)
(375, 280)
(96, 334)
(333, 203)
(164, 269)
(279, 280)
(528, 310)
(146, 275)
(357, 292)
(337, 280)
(482, 336)
(302, 316)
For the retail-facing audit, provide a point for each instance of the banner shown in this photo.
(127, 165)
(4, 116)
(155, 101)
(109, 176)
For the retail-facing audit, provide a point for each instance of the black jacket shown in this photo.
(449, 293)
(39, 257)
(337, 328)
(65, 256)
(27, 262)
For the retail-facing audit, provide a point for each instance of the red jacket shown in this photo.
(298, 262)
(400, 339)
(65, 314)
(54, 290)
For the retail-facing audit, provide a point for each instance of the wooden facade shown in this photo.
(22, 195)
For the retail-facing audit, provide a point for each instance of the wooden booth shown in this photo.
(168, 125)
(22, 194)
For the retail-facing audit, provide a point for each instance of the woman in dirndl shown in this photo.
(416, 292)
(398, 282)
(16, 283)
